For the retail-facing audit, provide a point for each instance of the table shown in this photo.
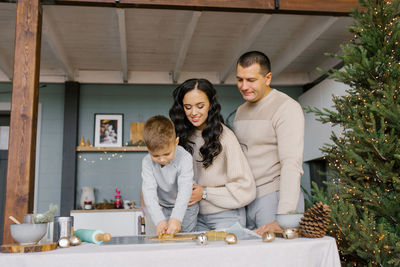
(318, 252)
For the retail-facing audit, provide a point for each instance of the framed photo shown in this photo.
(108, 129)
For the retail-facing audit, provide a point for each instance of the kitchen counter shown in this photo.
(307, 252)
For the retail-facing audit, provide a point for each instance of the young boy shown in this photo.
(167, 178)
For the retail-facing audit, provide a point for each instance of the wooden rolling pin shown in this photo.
(92, 236)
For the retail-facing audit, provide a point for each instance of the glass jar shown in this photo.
(87, 205)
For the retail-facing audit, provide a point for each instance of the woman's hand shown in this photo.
(197, 193)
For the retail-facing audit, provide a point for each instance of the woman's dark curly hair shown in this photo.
(184, 128)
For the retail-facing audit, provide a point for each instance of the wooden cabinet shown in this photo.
(117, 222)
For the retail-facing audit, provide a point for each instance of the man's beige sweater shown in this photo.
(272, 129)
(228, 180)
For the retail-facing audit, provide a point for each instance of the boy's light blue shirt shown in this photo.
(168, 186)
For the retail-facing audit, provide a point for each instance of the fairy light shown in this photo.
(103, 156)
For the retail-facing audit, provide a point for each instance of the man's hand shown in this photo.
(197, 193)
(269, 227)
(174, 226)
(162, 227)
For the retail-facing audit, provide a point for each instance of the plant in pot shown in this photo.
(34, 227)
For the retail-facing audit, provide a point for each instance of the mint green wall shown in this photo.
(136, 102)
(51, 98)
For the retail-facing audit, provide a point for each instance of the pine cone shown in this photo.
(315, 221)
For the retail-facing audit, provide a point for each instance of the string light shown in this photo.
(103, 156)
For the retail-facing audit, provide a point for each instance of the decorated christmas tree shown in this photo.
(363, 191)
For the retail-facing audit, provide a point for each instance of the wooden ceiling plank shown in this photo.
(53, 40)
(304, 37)
(190, 29)
(5, 67)
(247, 38)
(123, 43)
(326, 64)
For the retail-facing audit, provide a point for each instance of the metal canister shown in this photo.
(62, 227)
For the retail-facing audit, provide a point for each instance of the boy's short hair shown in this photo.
(252, 57)
(158, 132)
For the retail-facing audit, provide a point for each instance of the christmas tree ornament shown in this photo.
(230, 239)
(75, 241)
(290, 233)
(268, 236)
(201, 239)
(64, 242)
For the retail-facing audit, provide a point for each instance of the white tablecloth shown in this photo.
(318, 252)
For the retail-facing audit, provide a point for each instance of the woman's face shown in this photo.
(196, 106)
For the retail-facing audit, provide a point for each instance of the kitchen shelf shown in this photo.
(111, 149)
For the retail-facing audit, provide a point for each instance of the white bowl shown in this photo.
(289, 220)
(28, 233)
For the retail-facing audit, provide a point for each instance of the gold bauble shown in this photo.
(64, 242)
(75, 241)
(268, 236)
(202, 239)
(290, 233)
(230, 239)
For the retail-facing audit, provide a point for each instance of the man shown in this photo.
(270, 125)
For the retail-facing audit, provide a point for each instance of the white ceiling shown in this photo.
(111, 45)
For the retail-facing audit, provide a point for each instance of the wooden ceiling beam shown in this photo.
(247, 38)
(307, 33)
(328, 7)
(53, 40)
(122, 43)
(318, 6)
(187, 38)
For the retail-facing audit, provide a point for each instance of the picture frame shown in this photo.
(108, 130)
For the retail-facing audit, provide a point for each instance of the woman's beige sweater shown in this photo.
(228, 180)
(272, 129)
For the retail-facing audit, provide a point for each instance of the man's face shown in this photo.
(252, 84)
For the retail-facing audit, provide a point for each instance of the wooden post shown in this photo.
(24, 109)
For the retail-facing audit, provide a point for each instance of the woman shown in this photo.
(225, 183)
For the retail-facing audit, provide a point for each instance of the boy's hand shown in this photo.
(174, 226)
(162, 227)
(197, 193)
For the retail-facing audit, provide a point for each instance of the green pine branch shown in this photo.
(363, 190)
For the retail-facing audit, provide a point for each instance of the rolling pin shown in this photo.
(92, 236)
